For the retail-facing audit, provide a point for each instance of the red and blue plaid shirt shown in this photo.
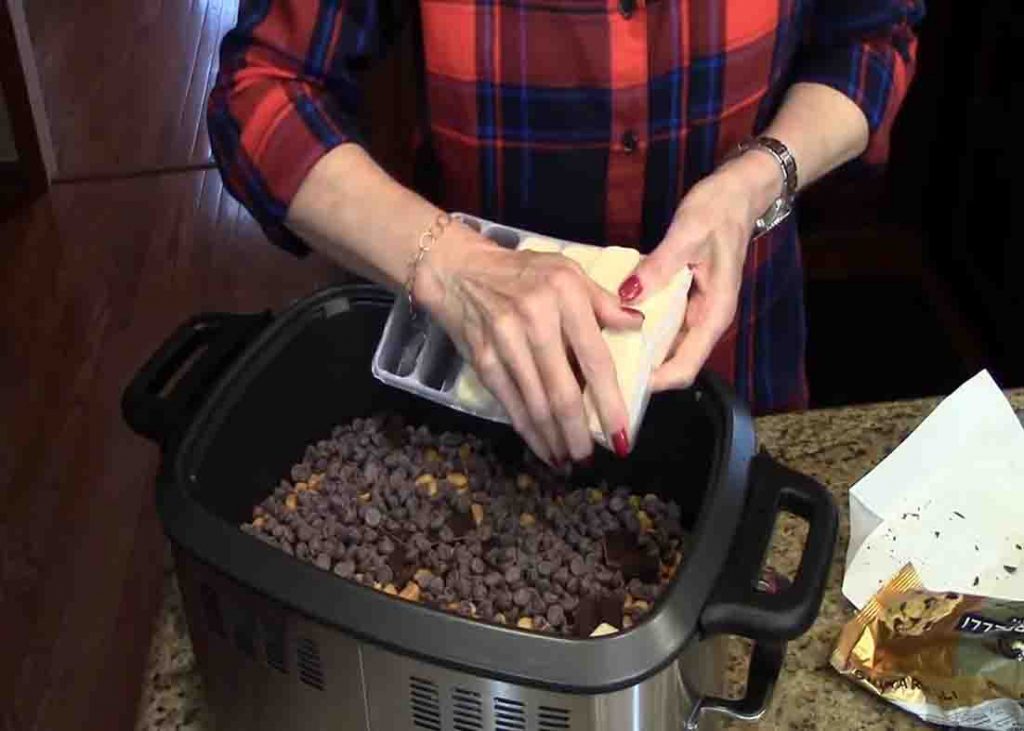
(582, 119)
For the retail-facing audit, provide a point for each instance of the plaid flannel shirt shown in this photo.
(587, 120)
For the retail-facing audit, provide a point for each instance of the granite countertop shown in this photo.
(836, 447)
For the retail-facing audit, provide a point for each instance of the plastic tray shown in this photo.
(416, 355)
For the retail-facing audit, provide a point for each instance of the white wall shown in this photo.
(7, 151)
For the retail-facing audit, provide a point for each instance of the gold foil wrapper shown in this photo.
(949, 658)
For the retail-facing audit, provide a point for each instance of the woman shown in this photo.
(683, 127)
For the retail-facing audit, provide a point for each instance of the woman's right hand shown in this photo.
(517, 316)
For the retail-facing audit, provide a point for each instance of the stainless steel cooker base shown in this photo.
(265, 668)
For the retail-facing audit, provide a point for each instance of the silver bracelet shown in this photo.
(780, 209)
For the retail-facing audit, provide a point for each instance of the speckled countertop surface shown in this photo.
(836, 447)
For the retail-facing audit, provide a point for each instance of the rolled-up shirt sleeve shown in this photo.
(865, 49)
(287, 92)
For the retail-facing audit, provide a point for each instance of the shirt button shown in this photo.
(626, 8)
(629, 141)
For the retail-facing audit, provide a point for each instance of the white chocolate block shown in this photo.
(663, 314)
(630, 354)
(637, 354)
(540, 244)
(582, 254)
(612, 265)
(471, 393)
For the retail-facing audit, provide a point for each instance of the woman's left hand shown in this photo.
(710, 233)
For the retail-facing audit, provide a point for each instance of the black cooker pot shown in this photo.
(233, 400)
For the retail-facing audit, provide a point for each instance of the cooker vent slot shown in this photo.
(426, 704)
(211, 610)
(467, 713)
(552, 719)
(245, 630)
(310, 671)
(509, 715)
(273, 643)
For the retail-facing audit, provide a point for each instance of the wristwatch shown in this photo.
(783, 205)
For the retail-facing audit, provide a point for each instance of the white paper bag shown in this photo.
(950, 499)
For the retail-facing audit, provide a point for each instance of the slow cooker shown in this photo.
(233, 399)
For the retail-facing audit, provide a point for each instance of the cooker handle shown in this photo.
(162, 396)
(736, 605)
(765, 665)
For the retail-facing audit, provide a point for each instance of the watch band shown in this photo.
(783, 205)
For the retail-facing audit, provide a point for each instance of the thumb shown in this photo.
(653, 272)
(610, 312)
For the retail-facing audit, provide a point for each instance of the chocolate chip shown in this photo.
(555, 615)
(503, 600)
(360, 509)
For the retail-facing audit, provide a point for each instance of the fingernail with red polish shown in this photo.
(634, 312)
(630, 289)
(620, 443)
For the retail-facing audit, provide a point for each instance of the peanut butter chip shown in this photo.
(411, 592)
(428, 482)
(457, 479)
(390, 589)
(290, 502)
(604, 629)
(478, 513)
(525, 623)
(526, 520)
(301, 487)
(524, 481)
